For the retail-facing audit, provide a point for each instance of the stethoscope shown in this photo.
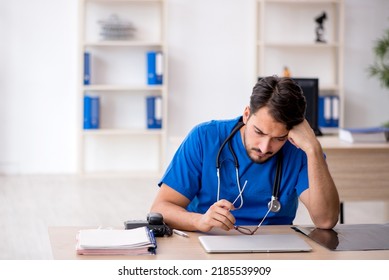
(274, 204)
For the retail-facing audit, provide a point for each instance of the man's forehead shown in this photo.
(265, 124)
(273, 133)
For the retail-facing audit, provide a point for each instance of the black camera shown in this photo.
(154, 222)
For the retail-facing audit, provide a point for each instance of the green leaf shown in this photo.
(380, 67)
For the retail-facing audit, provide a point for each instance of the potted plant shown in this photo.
(380, 68)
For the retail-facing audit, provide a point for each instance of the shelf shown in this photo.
(155, 175)
(301, 1)
(287, 32)
(300, 45)
(119, 81)
(123, 88)
(329, 87)
(286, 36)
(140, 131)
(125, 1)
(124, 43)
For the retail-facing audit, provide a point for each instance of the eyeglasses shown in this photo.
(248, 231)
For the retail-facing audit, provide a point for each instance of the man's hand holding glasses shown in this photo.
(219, 215)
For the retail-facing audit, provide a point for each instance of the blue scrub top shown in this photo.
(192, 172)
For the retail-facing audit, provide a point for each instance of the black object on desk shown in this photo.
(353, 237)
(154, 222)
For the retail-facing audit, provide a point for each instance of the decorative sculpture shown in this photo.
(320, 27)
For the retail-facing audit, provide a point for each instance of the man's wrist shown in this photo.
(315, 149)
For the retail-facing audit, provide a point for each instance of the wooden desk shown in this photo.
(63, 241)
(360, 171)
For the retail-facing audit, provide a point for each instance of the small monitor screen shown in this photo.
(310, 87)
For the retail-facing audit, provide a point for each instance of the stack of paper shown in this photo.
(364, 135)
(137, 241)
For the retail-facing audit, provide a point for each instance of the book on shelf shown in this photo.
(137, 241)
(87, 68)
(91, 112)
(154, 112)
(364, 135)
(154, 67)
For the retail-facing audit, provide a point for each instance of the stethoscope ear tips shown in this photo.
(274, 205)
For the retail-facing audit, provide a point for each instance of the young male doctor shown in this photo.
(251, 170)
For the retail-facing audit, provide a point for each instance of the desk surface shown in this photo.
(63, 242)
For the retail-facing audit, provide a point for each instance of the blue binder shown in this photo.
(328, 111)
(87, 62)
(335, 111)
(91, 112)
(154, 112)
(154, 68)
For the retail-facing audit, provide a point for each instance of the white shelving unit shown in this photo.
(122, 144)
(286, 37)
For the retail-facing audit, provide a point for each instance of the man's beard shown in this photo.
(256, 158)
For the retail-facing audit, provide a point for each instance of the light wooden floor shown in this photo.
(31, 204)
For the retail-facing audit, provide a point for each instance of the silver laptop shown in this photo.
(253, 243)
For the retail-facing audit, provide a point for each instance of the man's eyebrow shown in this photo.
(282, 136)
(259, 130)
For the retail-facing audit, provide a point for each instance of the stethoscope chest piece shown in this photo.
(274, 205)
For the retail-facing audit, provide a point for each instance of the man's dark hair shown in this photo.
(282, 96)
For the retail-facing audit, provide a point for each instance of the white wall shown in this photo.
(211, 60)
(38, 86)
(366, 102)
(211, 68)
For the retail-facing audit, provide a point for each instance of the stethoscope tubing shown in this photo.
(274, 204)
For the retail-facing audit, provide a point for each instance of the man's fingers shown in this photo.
(221, 213)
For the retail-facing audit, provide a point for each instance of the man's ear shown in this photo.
(246, 114)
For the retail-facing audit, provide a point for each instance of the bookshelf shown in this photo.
(286, 37)
(123, 143)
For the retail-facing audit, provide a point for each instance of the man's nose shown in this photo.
(265, 145)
